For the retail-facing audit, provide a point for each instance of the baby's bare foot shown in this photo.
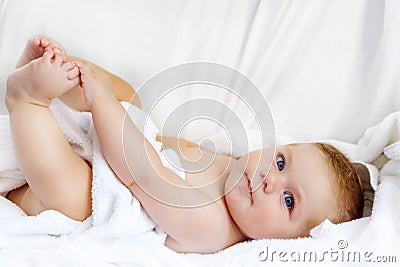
(94, 81)
(35, 48)
(41, 80)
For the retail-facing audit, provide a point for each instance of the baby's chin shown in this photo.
(238, 200)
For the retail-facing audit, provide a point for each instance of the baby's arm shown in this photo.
(189, 229)
(121, 90)
(173, 142)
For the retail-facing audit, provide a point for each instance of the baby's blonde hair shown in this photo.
(348, 185)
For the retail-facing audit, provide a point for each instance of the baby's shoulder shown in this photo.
(215, 231)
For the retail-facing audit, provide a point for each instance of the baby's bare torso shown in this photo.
(206, 167)
(203, 167)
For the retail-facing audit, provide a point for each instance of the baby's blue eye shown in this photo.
(289, 201)
(280, 162)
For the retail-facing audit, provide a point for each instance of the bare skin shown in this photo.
(244, 211)
(52, 184)
(28, 97)
(121, 91)
(35, 48)
(59, 179)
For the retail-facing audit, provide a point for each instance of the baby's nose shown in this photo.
(271, 181)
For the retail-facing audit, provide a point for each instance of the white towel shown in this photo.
(379, 151)
(115, 210)
(378, 234)
(379, 147)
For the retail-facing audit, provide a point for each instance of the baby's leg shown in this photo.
(35, 48)
(121, 89)
(57, 177)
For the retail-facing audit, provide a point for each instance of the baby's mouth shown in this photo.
(249, 187)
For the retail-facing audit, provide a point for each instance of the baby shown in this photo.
(306, 183)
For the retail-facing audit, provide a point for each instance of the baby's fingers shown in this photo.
(73, 73)
(68, 66)
(84, 67)
(76, 81)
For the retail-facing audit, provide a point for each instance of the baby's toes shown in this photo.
(35, 41)
(47, 56)
(67, 66)
(58, 59)
(44, 42)
(73, 73)
(47, 43)
(85, 67)
(59, 52)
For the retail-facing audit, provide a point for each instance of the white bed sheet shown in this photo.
(328, 68)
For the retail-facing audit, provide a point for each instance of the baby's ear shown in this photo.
(363, 172)
(368, 174)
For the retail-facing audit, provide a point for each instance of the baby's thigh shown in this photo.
(26, 200)
(72, 199)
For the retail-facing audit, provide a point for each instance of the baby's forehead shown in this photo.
(310, 170)
(301, 152)
(305, 146)
(309, 162)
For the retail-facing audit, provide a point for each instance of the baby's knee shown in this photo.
(73, 200)
(80, 214)
(75, 210)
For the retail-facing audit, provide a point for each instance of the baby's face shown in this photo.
(285, 201)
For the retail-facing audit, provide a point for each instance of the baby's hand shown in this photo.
(94, 81)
